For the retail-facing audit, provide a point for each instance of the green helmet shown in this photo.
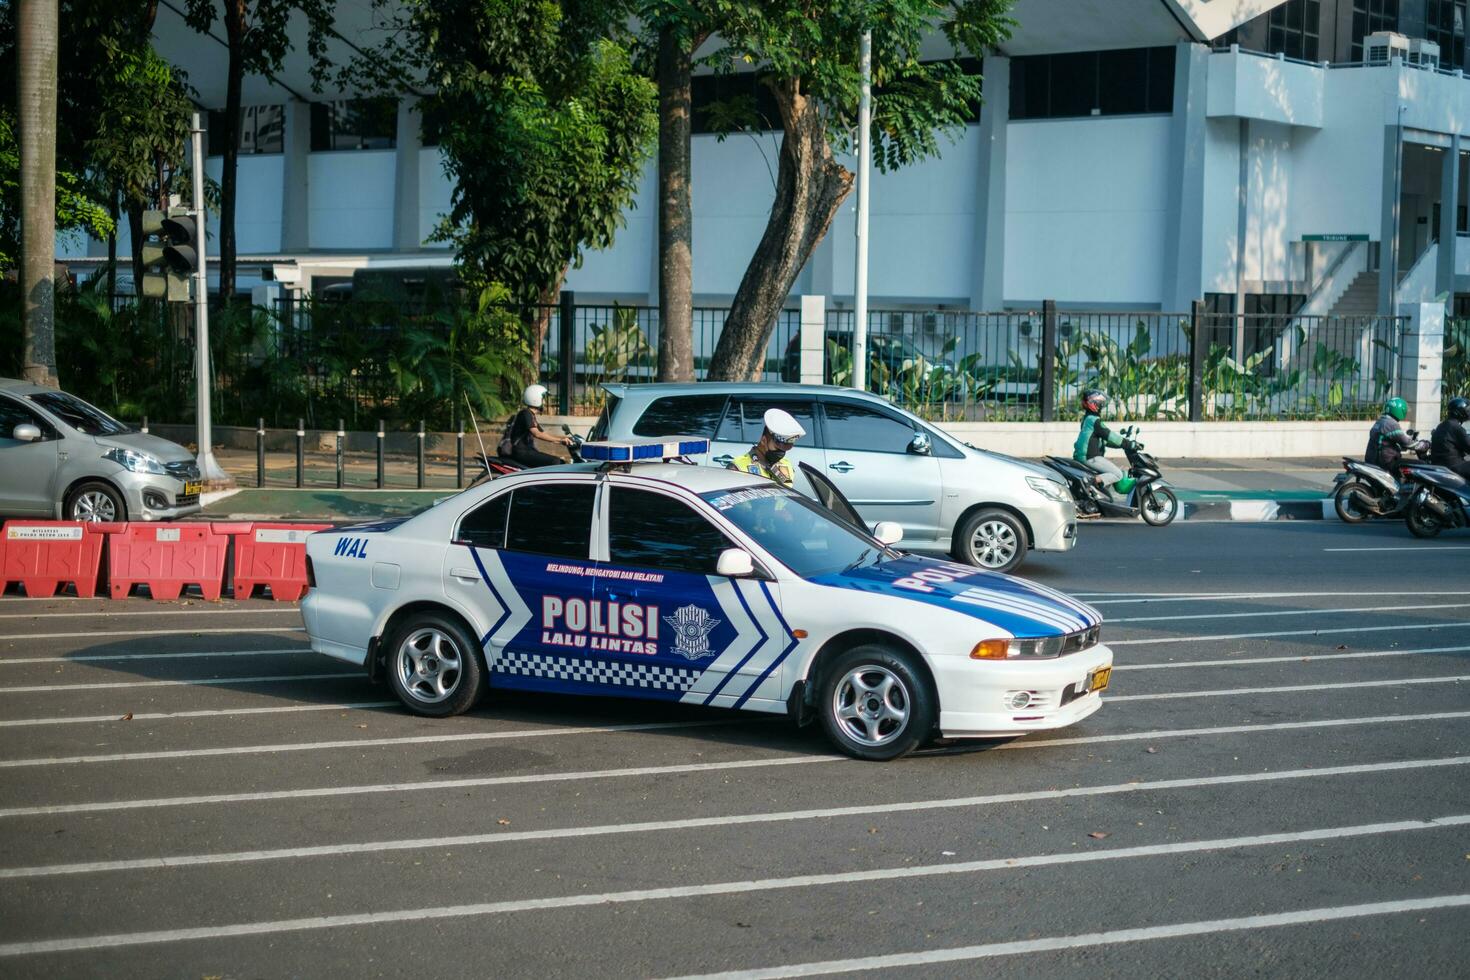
(1397, 407)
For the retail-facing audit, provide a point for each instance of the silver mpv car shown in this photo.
(984, 508)
(63, 458)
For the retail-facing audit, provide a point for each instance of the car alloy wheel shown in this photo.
(429, 665)
(994, 544)
(94, 502)
(876, 702)
(872, 705)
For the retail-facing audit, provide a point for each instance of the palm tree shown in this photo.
(36, 44)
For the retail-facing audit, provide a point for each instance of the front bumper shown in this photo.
(972, 693)
(151, 497)
(1053, 527)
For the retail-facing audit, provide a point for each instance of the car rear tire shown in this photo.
(434, 665)
(992, 539)
(94, 501)
(876, 703)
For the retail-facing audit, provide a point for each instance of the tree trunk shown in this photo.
(113, 211)
(541, 323)
(235, 72)
(810, 187)
(135, 243)
(36, 43)
(675, 218)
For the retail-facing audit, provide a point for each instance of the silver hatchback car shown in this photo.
(984, 508)
(63, 458)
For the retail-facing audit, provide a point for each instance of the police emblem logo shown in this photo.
(692, 627)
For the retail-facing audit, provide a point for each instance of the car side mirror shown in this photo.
(25, 432)
(888, 532)
(735, 563)
(919, 445)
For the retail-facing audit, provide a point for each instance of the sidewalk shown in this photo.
(1210, 489)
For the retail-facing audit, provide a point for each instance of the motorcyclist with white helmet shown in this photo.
(525, 428)
(767, 457)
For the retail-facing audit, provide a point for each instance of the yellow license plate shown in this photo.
(1098, 679)
(191, 489)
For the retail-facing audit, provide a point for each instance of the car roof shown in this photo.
(696, 479)
(767, 388)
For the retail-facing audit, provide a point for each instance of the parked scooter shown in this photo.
(1150, 498)
(1439, 498)
(1363, 490)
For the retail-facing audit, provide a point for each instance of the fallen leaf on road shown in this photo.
(1098, 834)
(1342, 646)
(128, 716)
(503, 822)
(1151, 750)
(361, 726)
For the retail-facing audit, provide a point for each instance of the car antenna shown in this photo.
(474, 424)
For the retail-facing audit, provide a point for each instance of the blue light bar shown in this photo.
(642, 450)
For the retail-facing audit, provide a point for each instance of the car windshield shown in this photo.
(801, 534)
(79, 415)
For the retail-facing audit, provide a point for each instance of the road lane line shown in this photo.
(483, 781)
(198, 632)
(210, 713)
(1170, 695)
(190, 682)
(365, 743)
(726, 887)
(1206, 596)
(1252, 636)
(1307, 658)
(1380, 609)
(194, 654)
(1421, 550)
(251, 611)
(1089, 940)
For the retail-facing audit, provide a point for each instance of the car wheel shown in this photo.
(876, 703)
(992, 539)
(434, 665)
(1347, 508)
(1160, 506)
(1422, 522)
(93, 502)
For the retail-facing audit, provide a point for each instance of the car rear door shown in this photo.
(743, 423)
(27, 469)
(867, 457)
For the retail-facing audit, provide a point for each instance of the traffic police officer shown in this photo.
(767, 457)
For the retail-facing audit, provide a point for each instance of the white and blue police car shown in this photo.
(637, 575)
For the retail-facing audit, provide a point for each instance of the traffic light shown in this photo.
(170, 254)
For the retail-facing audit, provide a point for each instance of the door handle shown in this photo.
(724, 460)
(842, 466)
(465, 574)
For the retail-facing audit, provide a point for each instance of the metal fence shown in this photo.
(1456, 358)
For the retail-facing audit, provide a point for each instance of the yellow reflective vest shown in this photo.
(781, 473)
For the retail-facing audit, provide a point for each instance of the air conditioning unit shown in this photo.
(895, 322)
(931, 322)
(1380, 47)
(1423, 53)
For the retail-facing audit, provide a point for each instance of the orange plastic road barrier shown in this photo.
(273, 555)
(45, 555)
(169, 557)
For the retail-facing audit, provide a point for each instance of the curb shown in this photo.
(1259, 510)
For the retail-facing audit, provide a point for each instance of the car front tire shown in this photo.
(434, 665)
(876, 703)
(94, 502)
(992, 539)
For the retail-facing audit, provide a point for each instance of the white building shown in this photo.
(1266, 156)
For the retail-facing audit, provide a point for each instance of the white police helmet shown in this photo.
(534, 395)
(781, 425)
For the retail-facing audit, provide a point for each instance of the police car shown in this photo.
(638, 575)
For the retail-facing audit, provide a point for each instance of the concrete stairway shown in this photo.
(1361, 298)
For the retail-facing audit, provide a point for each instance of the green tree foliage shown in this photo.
(76, 210)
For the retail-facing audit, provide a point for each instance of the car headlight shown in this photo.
(136, 462)
(1050, 489)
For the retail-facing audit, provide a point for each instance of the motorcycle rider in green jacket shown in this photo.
(1093, 440)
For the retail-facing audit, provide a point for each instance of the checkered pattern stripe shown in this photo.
(623, 674)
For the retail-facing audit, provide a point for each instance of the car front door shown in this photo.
(675, 629)
(27, 469)
(743, 424)
(868, 457)
(522, 561)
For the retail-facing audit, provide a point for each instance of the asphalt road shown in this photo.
(1278, 784)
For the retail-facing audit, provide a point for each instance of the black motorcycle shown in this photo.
(1439, 498)
(1151, 498)
(1363, 490)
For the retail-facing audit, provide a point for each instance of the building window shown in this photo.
(1370, 17)
(354, 124)
(1445, 26)
(262, 130)
(1294, 29)
(1133, 81)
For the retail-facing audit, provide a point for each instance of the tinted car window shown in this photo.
(13, 413)
(654, 531)
(801, 533)
(681, 415)
(484, 526)
(857, 427)
(76, 413)
(552, 519)
(743, 419)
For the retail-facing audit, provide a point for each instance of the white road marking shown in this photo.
(249, 611)
(724, 887)
(198, 632)
(443, 784)
(1288, 689)
(361, 743)
(1089, 940)
(1302, 658)
(1380, 609)
(192, 654)
(1420, 549)
(1208, 596)
(1252, 636)
(190, 682)
(212, 713)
